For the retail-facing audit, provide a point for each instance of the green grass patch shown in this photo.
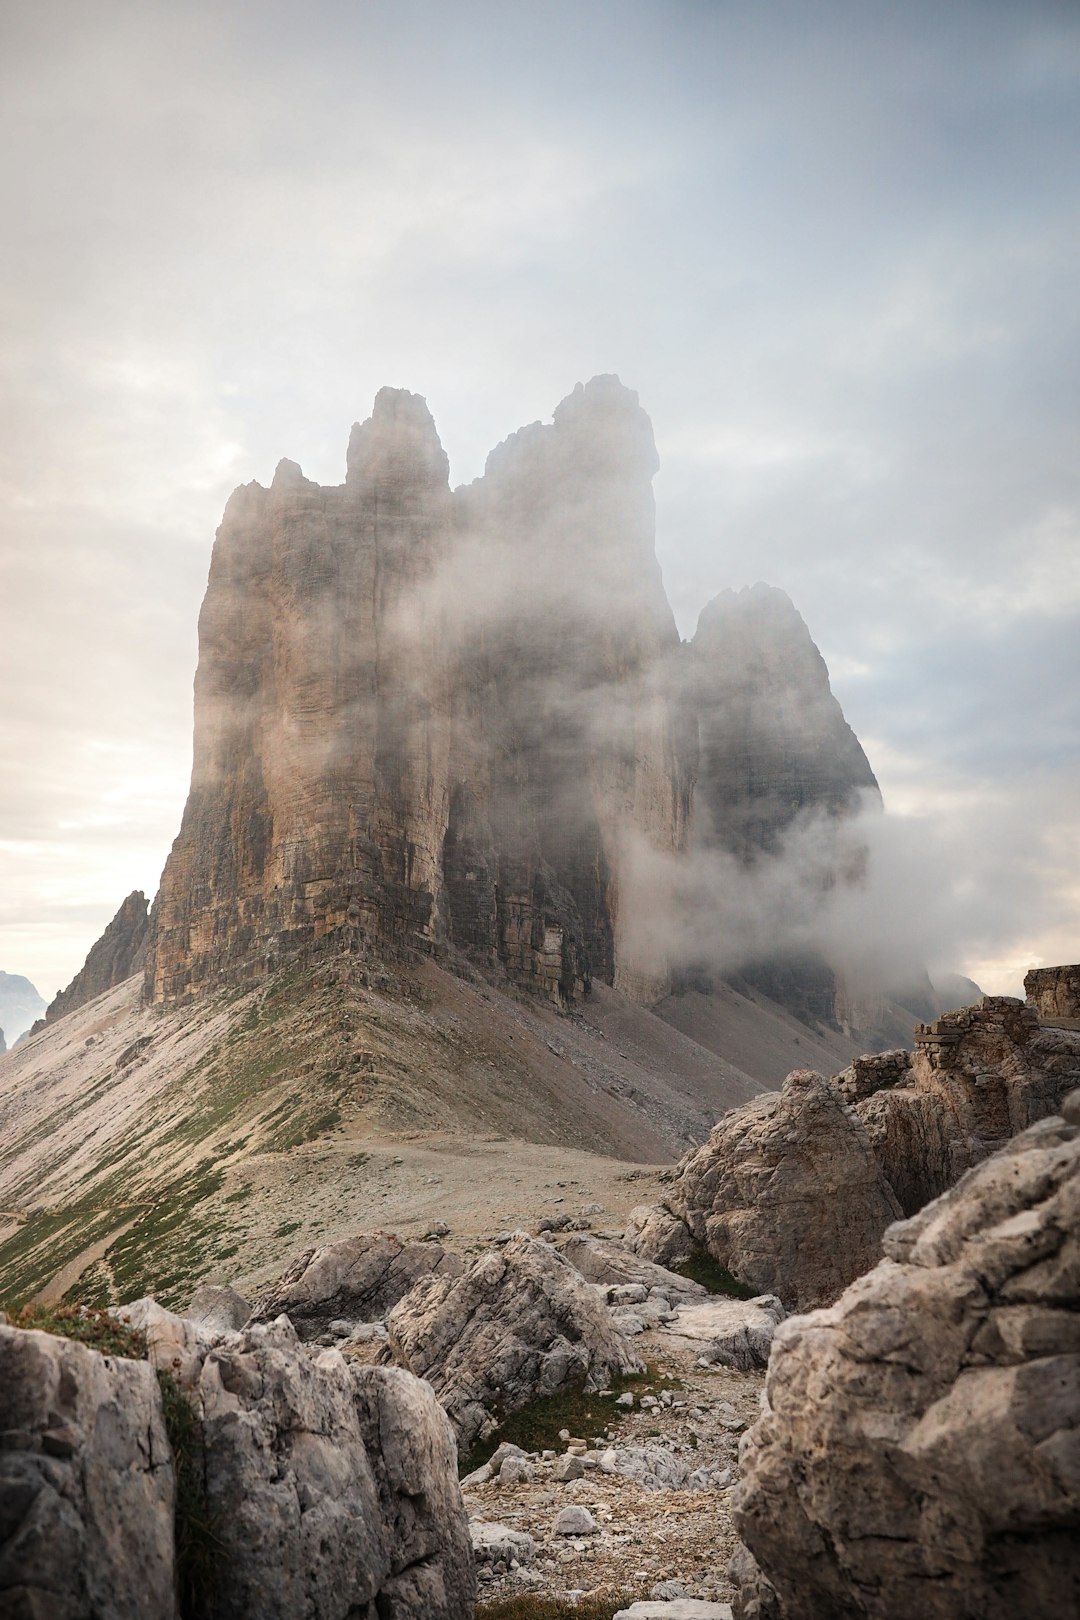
(535, 1427)
(87, 1324)
(198, 1546)
(716, 1279)
(596, 1606)
(287, 1228)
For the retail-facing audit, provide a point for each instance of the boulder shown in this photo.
(918, 1453)
(86, 1484)
(358, 1279)
(734, 1332)
(675, 1609)
(657, 1235)
(518, 1324)
(787, 1193)
(332, 1488)
(617, 1266)
(495, 1547)
(219, 1310)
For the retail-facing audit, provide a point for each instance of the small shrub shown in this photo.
(198, 1546)
(716, 1279)
(87, 1324)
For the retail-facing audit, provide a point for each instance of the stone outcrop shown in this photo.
(333, 1488)
(918, 1452)
(976, 1077)
(793, 1190)
(119, 953)
(731, 1332)
(787, 1194)
(358, 1279)
(86, 1484)
(602, 1261)
(518, 1324)
(1054, 992)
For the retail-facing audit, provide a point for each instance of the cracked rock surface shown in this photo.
(919, 1450)
(86, 1484)
(518, 1324)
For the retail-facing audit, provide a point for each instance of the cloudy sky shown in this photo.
(835, 248)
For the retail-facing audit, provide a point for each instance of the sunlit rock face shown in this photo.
(431, 718)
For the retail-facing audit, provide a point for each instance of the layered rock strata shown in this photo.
(429, 718)
(918, 1452)
(1054, 992)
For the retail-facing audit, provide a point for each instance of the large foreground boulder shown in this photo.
(787, 1194)
(86, 1485)
(356, 1280)
(919, 1451)
(332, 1488)
(519, 1324)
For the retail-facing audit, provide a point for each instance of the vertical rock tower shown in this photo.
(430, 718)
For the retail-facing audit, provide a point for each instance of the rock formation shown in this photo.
(428, 718)
(3, 1043)
(86, 1484)
(773, 738)
(786, 1193)
(451, 720)
(793, 1190)
(330, 1489)
(520, 1323)
(976, 1077)
(356, 1280)
(1054, 992)
(918, 1453)
(119, 953)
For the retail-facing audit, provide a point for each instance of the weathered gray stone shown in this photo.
(575, 1521)
(678, 1609)
(497, 1547)
(787, 1194)
(617, 1266)
(520, 1323)
(358, 1279)
(86, 1485)
(657, 1235)
(333, 1487)
(919, 1452)
(218, 1310)
(734, 1332)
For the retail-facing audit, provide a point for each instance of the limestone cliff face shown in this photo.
(431, 718)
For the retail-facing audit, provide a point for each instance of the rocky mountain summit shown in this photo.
(460, 721)
(120, 952)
